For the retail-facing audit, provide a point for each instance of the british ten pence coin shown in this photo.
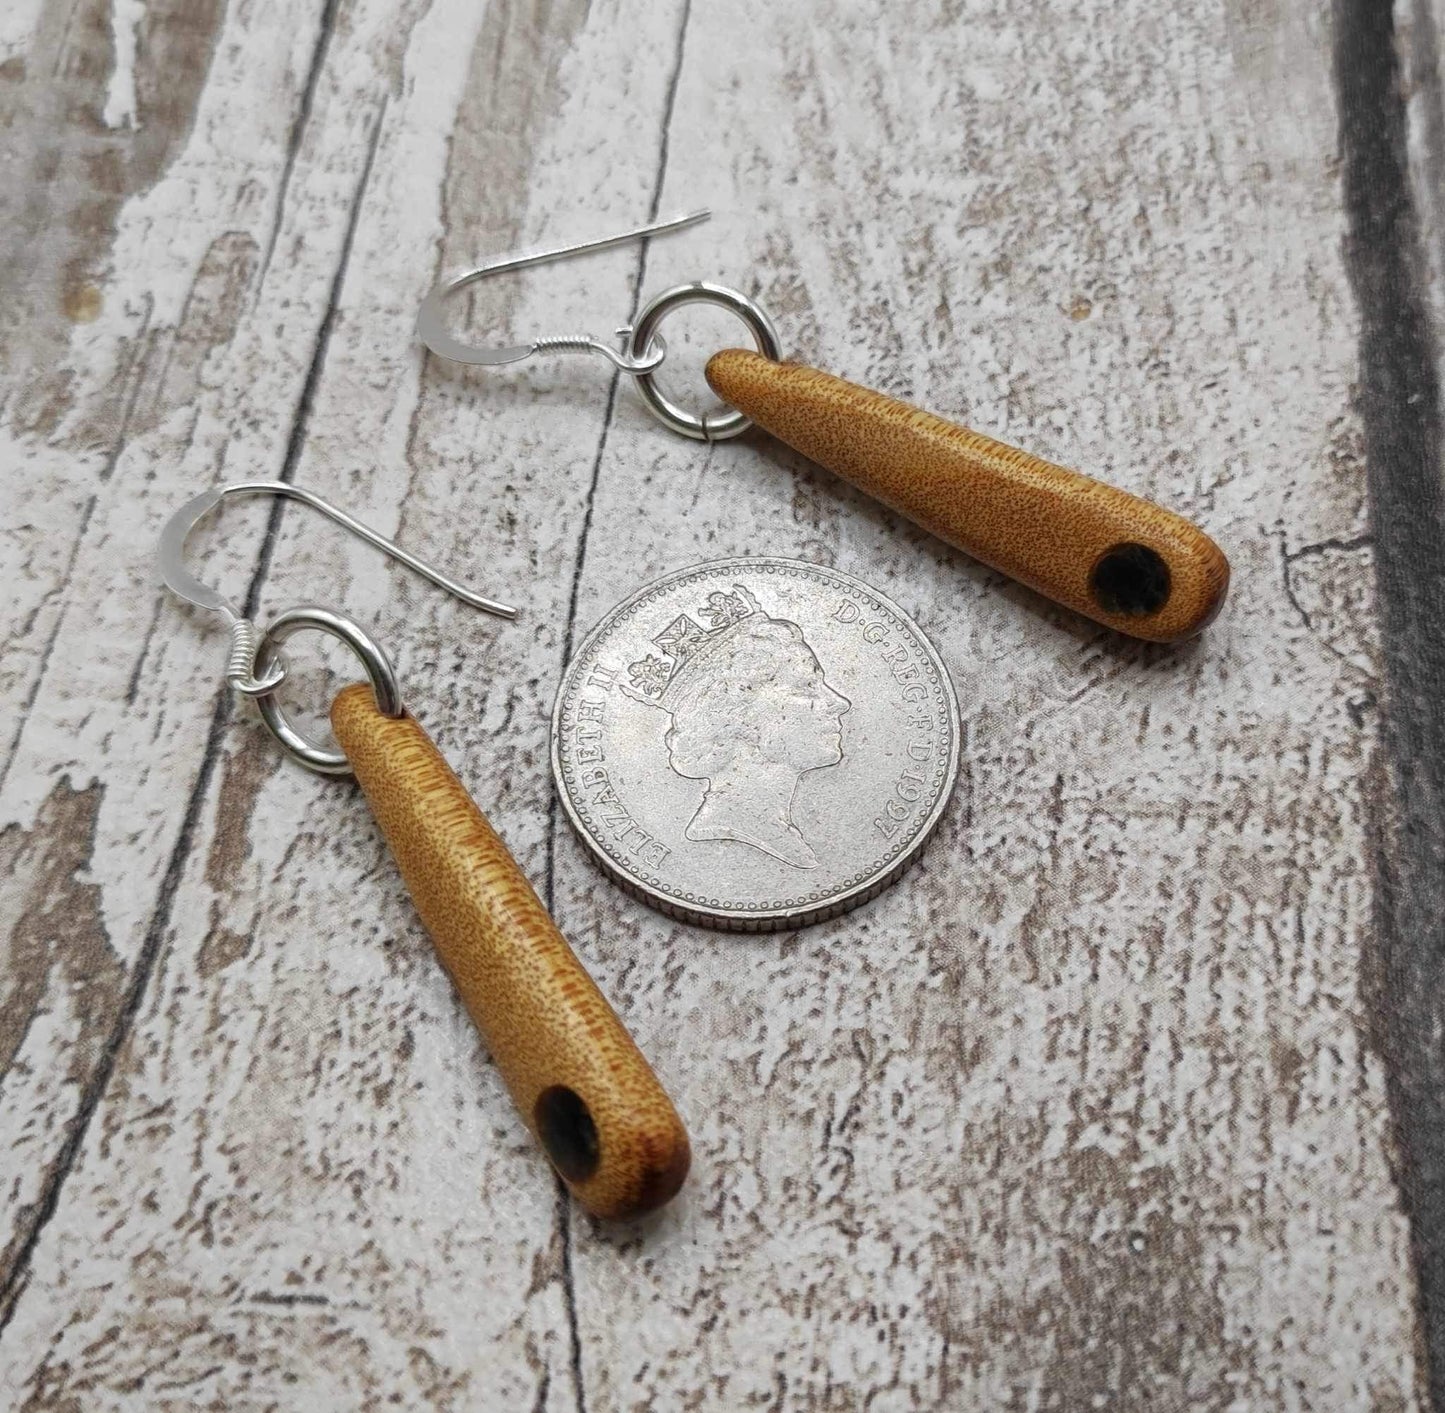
(755, 743)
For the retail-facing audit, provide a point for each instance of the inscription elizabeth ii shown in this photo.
(755, 743)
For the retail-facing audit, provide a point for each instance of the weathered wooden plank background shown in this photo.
(1131, 1096)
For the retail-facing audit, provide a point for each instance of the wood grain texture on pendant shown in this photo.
(1121, 560)
(576, 1075)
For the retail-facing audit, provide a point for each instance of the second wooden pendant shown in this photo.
(1119, 559)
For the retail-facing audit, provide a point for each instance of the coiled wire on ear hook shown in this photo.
(241, 664)
(255, 667)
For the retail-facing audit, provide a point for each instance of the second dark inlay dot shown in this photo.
(565, 1126)
(1130, 579)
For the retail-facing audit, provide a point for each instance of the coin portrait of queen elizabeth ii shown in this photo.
(750, 713)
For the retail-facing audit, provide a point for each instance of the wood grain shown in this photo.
(574, 1073)
(1122, 561)
(1094, 1110)
(1393, 245)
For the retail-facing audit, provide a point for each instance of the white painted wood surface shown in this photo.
(1083, 1113)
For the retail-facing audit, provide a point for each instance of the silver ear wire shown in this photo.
(643, 347)
(431, 326)
(254, 666)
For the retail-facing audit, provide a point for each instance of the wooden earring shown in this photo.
(578, 1079)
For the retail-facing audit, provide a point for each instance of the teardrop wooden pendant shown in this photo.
(1121, 560)
(577, 1077)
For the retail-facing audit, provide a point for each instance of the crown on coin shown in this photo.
(686, 647)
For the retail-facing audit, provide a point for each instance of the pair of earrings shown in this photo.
(577, 1078)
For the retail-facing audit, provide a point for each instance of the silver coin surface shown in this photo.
(755, 744)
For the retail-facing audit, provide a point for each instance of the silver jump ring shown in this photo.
(709, 427)
(378, 670)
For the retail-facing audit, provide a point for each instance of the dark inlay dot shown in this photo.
(567, 1132)
(1130, 579)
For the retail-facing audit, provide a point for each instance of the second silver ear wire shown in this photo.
(643, 349)
(255, 667)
